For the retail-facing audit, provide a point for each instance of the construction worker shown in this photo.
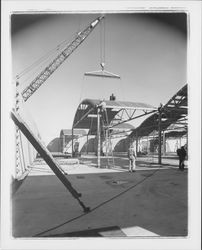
(181, 152)
(132, 158)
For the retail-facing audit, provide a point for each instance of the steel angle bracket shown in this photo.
(46, 155)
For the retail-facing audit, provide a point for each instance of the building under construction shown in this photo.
(84, 171)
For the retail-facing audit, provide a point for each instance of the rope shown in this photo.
(37, 62)
(41, 63)
(102, 41)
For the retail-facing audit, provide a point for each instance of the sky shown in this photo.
(148, 51)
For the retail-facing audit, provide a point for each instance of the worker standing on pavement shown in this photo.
(182, 154)
(132, 158)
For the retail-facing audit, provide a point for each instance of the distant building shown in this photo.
(55, 146)
(66, 139)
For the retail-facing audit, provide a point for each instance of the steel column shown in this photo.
(164, 143)
(87, 145)
(98, 137)
(159, 134)
(72, 141)
(136, 142)
(63, 143)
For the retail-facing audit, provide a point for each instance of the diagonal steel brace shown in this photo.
(46, 155)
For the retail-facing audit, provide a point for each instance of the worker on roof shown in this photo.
(132, 158)
(112, 97)
(103, 105)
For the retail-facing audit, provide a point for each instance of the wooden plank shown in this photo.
(46, 155)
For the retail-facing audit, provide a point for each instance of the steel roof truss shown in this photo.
(132, 118)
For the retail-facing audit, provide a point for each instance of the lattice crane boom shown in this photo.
(50, 69)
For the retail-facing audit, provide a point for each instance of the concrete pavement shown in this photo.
(150, 202)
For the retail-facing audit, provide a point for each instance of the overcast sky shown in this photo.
(148, 52)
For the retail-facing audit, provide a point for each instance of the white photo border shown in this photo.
(193, 9)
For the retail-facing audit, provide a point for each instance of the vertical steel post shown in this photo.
(87, 145)
(187, 139)
(159, 130)
(72, 141)
(164, 143)
(107, 142)
(136, 142)
(18, 170)
(98, 137)
(63, 143)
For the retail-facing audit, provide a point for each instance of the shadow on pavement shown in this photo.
(98, 232)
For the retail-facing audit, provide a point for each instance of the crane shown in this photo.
(29, 91)
(50, 69)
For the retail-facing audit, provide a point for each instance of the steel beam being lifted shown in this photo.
(102, 73)
(48, 158)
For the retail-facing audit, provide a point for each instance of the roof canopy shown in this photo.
(174, 116)
(114, 114)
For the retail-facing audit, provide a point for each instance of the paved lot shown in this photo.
(150, 202)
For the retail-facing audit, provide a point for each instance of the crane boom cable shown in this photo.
(43, 58)
(102, 42)
(47, 72)
(39, 66)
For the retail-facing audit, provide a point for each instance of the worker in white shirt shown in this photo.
(132, 158)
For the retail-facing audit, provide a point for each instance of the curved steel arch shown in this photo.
(117, 113)
(174, 115)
